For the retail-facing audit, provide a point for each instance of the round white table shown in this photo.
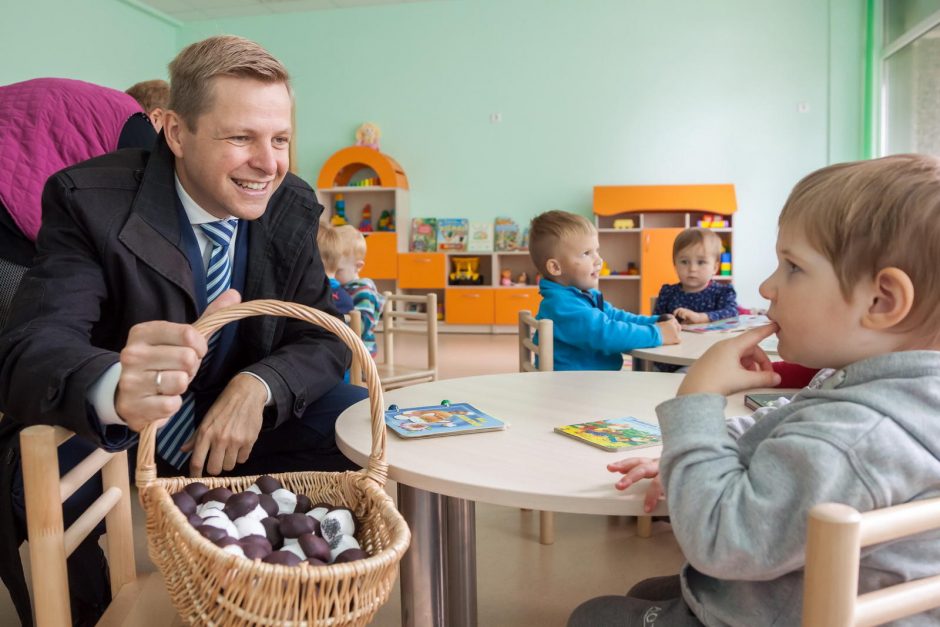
(686, 352)
(527, 465)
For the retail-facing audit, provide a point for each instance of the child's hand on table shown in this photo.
(636, 468)
(669, 329)
(732, 365)
(690, 317)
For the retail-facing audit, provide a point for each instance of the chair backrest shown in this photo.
(49, 542)
(836, 535)
(411, 315)
(10, 276)
(354, 320)
(531, 353)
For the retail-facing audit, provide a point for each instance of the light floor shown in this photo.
(520, 582)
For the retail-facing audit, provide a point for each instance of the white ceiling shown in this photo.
(191, 10)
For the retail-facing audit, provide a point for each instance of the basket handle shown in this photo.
(377, 468)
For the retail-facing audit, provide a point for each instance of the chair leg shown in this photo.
(547, 527)
(644, 526)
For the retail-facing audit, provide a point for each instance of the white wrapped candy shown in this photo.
(340, 544)
(318, 512)
(294, 547)
(234, 549)
(254, 488)
(337, 522)
(257, 513)
(216, 506)
(248, 526)
(286, 501)
(223, 523)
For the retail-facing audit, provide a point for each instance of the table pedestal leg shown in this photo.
(642, 365)
(461, 562)
(423, 565)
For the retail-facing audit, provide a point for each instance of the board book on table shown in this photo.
(436, 420)
(741, 323)
(756, 401)
(614, 434)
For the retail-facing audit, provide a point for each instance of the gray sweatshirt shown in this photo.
(869, 437)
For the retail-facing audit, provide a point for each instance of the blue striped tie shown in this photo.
(218, 279)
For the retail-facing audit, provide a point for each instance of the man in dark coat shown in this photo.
(129, 255)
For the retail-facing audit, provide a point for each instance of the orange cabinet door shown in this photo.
(381, 256)
(468, 306)
(656, 267)
(510, 301)
(422, 270)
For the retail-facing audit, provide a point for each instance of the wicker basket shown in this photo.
(211, 587)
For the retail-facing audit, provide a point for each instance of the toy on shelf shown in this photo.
(368, 135)
(452, 234)
(507, 234)
(480, 239)
(339, 211)
(725, 268)
(423, 235)
(712, 222)
(365, 224)
(505, 277)
(369, 182)
(624, 223)
(466, 271)
(605, 269)
(386, 221)
(522, 279)
(632, 270)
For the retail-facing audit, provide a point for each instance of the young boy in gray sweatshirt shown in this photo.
(856, 290)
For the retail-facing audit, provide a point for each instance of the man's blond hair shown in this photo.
(695, 236)
(354, 242)
(549, 229)
(865, 216)
(150, 95)
(192, 71)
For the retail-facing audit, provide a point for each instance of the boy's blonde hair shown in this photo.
(354, 242)
(865, 216)
(331, 246)
(150, 95)
(192, 71)
(549, 229)
(695, 236)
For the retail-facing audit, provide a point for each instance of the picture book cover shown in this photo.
(480, 239)
(435, 420)
(728, 325)
(756, 401)
(452, 234)
(423, 235)
(507, 234)
(614, 434)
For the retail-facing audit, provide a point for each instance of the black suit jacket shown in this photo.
(110, 255)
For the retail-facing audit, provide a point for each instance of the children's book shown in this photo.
(452, 234)
(480, 239)
(756, 401)
(614, 434)
(507, 234)
(434, 420)
(423, 235)
(728, 325)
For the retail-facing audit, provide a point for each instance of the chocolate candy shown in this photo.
(240, 504)
(315, 562)
(285, 558)
(293, 547)
(314, 546)
(319, 510)
(211, 533)
(255, 551)
(248, 526)
(224, 541)
(216, 494)
(286, 501)
(196, 490)
(337, 522)
(268, 503)
(273, 532)
(340, 544)
(222, 522)
(268, 484)
(234, 549)
(185, 502)
(195, 520)
(303, 504)
(350, 555)
(295, 525)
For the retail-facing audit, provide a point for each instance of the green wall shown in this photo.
(590, 91)
(101, 41)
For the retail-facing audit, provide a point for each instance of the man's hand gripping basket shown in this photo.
(211, 587)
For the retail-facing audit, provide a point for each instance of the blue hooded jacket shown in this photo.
(590, 334)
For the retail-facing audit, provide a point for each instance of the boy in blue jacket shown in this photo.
(589, 333)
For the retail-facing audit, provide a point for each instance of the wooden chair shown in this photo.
(545, 352)
(396, 320)
(837, 533)
(135, 600)
(354, 320)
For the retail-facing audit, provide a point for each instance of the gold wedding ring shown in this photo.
(158, 382)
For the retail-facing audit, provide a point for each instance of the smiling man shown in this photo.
(135, 246)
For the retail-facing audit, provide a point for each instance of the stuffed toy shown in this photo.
(368, 135)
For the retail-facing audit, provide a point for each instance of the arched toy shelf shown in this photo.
(340, 168)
